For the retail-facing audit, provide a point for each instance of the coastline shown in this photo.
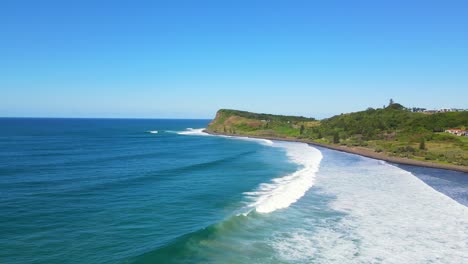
(359, 151)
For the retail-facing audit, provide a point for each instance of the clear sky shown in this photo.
(189, 58)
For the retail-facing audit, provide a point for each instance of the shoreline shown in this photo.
(359, 151)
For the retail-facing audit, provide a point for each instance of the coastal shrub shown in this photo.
(336, 138)
(422, 144)
(430, 156)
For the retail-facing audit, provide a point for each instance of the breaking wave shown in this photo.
(193, 131)
(282, 192)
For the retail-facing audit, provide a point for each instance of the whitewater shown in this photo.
(283, 191)
(344, 208)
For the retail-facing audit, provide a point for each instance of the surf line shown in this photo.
(283, 191)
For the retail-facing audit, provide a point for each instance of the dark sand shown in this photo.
(363, 152)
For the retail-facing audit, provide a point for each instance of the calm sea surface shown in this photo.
(162, 191)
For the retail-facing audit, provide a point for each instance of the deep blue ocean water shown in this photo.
(156, 191)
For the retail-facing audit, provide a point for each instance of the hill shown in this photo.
(246, 123)
(393, 131)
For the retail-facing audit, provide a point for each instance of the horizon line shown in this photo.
(58, 117)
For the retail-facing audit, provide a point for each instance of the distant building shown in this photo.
(418, 109)
(433, 111)
(457, 132)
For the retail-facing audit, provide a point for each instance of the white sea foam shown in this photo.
(262, 141)
(152, 131)
(391, 216)
(199, 132)
(282, 192)
(194, 132)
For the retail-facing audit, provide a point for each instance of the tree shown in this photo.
(336, 138)
(422, 144)
(301, 130)
(391, 102)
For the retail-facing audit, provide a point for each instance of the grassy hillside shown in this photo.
(246, 123)
(393, 131)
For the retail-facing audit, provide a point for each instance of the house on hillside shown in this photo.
(457, 132)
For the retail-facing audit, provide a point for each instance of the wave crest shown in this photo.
(193, 131)
(282, 192)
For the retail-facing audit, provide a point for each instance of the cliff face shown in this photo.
(216, 123)
(227, 122)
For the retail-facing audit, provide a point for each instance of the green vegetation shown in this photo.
(394, 131)
(422, 144)
(246, 123)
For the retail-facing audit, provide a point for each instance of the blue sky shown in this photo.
(189, 58)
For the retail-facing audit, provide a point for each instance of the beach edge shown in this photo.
(357, 151)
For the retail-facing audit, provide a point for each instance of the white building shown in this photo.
(457, 132)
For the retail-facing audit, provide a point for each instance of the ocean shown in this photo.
(162, 191)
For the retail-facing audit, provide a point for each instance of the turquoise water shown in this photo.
(155, 191)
